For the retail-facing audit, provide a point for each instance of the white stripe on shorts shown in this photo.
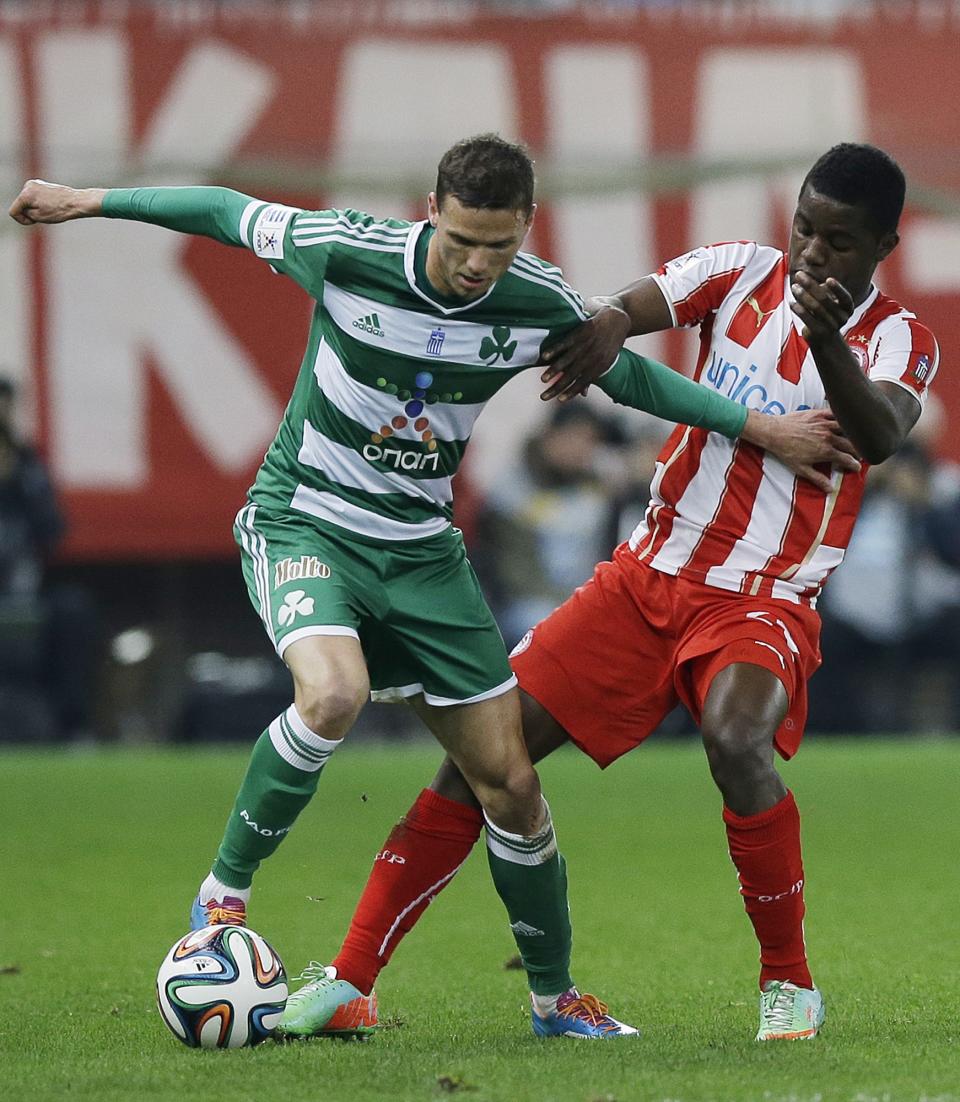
(256, 547)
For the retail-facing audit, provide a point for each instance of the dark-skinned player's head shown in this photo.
(862, 176)
(846, 217)
(486, 172)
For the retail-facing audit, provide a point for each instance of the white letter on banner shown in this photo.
(389, 111)
(118, 291)
(604, 241)
(782, 104)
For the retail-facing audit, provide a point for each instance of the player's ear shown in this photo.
(530, 217)
(888, 243)
(433, 209)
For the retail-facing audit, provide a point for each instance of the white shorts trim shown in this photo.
(400, 692)
(315, 629)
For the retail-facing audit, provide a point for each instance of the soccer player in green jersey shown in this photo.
(346, 539)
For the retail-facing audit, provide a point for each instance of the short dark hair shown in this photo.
(488, 173)
(7, 387)
(864, 176)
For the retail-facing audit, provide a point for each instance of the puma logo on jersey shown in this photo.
(761, 314)
(294, 604)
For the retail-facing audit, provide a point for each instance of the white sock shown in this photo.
(546, 1004)
(212, 888)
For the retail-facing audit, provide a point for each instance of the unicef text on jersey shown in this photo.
(739, 385)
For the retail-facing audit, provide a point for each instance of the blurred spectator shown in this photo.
(30, 519)
(891, 629)
(544, 530)
(47, 634)
(632, 496)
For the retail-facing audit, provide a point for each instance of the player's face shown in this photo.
(472, 247)
(830, 238)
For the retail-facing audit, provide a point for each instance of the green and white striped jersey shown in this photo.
(394, 375)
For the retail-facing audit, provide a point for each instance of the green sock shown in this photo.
(284, 769)
(531, 879)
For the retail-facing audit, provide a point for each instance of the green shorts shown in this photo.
(416, 607)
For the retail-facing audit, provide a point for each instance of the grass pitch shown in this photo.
(102, 851)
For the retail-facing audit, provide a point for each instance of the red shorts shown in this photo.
(616, 657)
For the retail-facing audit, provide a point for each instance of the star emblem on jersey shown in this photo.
(495, 347)
(295, 604)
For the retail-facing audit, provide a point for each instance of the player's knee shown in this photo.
(330, 705)
(511, 798)
(736, 742)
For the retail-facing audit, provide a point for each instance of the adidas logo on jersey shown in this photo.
(369, 324)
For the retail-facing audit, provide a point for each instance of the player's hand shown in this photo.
(804, 442)
(580, 357)
(42, 202)
(824, 308)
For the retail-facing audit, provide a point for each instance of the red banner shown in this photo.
(157, 366)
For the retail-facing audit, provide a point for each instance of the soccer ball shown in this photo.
(221, 987)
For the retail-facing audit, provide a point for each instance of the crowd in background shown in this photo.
(72, 669)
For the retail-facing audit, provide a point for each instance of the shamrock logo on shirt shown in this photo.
(293, 604)
(496, 346)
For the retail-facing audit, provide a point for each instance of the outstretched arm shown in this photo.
(210, 211)
(42, 202)
(799, 440)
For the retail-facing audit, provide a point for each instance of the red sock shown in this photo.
(417, 861)
(765, 849)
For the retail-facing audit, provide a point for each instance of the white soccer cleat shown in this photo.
(788, 1012)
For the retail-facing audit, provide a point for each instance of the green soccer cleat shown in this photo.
(788, 1012)
(326, 1006)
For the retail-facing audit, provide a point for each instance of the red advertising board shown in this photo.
(157, 366)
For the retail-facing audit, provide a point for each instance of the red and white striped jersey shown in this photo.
(727, 513)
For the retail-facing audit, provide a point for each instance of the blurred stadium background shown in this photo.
(151, 370)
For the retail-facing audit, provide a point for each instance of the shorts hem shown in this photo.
(318, 629)
(397, 693)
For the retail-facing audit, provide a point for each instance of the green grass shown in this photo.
(102, 851)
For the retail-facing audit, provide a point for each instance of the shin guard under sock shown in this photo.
(284, 769)
(417, 861)
(765, 848)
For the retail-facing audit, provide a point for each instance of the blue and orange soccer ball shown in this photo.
(221, 987)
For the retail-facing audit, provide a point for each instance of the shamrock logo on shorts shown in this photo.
(293, 604)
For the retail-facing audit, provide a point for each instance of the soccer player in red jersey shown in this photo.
(711, 601)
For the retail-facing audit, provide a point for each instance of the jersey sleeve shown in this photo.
(696, 283)
(281, 236)
(208, 211)
(312, 245)
(646, 384)
(269, 230)
(906, 354)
